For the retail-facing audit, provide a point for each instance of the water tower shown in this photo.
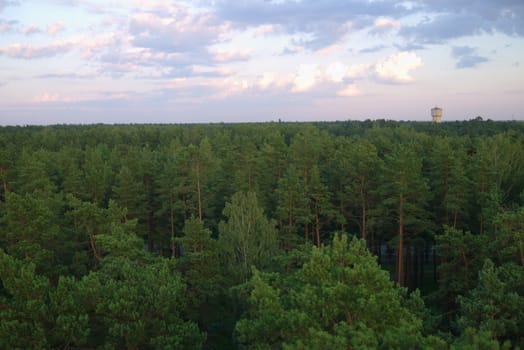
(436, 114)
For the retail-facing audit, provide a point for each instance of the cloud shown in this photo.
(6, 3)
(95, 96)
(349, 91)
(397, 67)
(326, 22)
(202, 71)
(269, 80)
(383, 25)
(6, 26)
(373, 49)
(88, 47)
(466, 57)
(73, 76)
(92, 46)
(185, 90)
(231, 55)
(328, 50)
(443, 28)
(410, 47)
(264, 30)
(358, 70)
(55, 28)
(293, 49)
(177, 29)
(30, 51)
(306, 77)
(30, 29)
(336, 72)
(450, 19)
(50, 98)
(459, 51)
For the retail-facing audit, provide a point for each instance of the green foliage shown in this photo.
(137, 306)
(339, 298)
(496, 305)
(247, 238)
(200, 268)
(292, 208)
(508, 245)
(478, 340)
(450, 184)
(462, 255)
(31, 231)
(124, 305)
(88, 212)
(24, 309)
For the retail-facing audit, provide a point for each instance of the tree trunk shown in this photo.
(306, 232)
(199, 193)
(4, 180)
(521, 253)
(150, 242)
(317, 229)
(289, 230)
(466, 268)
(363, 232)
(400, 252)
(172, 223)
(92, 243)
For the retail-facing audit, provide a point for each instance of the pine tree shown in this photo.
(406, 195)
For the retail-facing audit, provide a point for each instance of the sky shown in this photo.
(88, 61)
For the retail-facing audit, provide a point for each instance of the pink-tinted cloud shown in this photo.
(6, 26)
(47, 97)
(55, 28)
(176, 29)
(328, 50)
(30, 29)
(271, 80)
(336, 72)
(88, 47)
(94, 96)
(383, 25)
(358, 70)
(306, 77)
(30, 51)
(232, 55)
(264, 30)
(349, 91)
(397, 68)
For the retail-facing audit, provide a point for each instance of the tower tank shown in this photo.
(436, 114)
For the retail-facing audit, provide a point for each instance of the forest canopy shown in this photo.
(365, 235)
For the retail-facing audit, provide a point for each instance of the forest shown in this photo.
(371, 234)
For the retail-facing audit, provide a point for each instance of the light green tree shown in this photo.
(247, 238)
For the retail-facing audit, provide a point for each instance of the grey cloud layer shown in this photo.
(327, 20)
(458, 18)
(467, 57)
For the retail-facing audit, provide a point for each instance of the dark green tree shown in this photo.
(405, 194)
(496, 305)
(200, 267)
(292, 208)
